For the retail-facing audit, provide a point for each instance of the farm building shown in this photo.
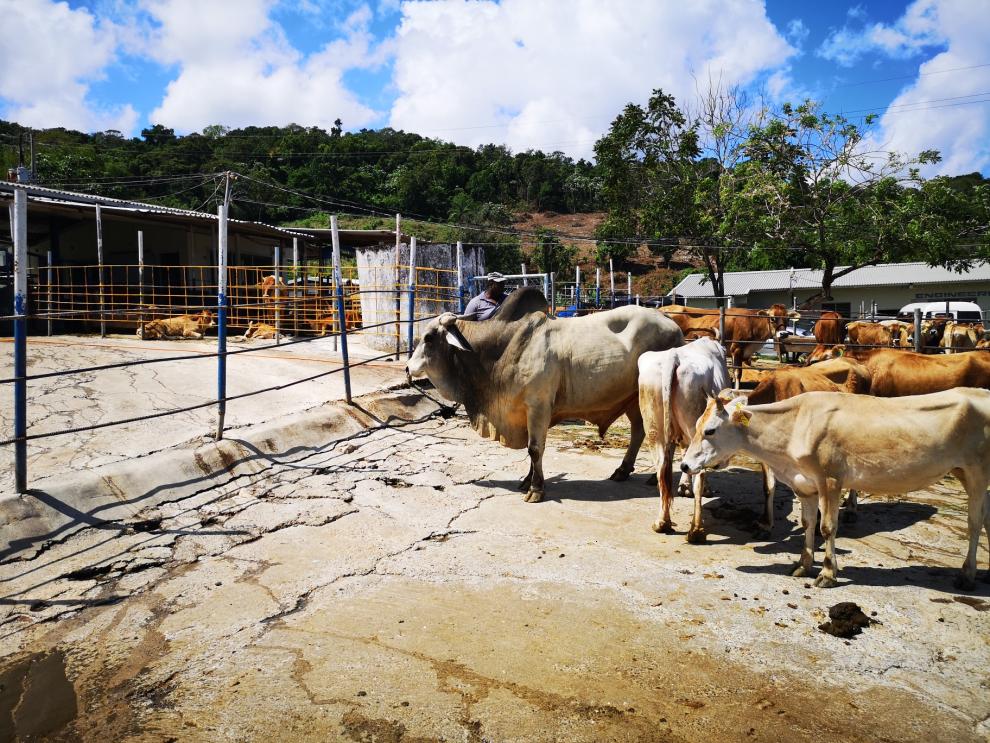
(881, 289)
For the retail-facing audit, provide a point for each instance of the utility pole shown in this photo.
(222, 308)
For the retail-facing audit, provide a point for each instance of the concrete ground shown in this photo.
(392, 586)
(86, 398)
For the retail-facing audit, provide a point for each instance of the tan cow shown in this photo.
(867, 334)
(173, 328)
(961, 336)
(837, 375)
(746, 330)
(822, 443)
(259, 330)
(829, 331)
(268, 286)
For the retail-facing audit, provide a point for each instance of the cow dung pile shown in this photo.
(846, 620)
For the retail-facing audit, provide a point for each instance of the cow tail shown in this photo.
(668, 385)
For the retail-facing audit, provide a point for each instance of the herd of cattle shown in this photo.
(883, 420)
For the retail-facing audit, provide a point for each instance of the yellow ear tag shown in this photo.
(740, 416)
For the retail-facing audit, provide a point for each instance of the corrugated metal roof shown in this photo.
(56, 196)
(739, 283)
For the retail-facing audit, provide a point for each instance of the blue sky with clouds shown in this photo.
(527, 73)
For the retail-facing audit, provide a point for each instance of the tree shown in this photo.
(550, 254)
(672, 180)
(814, 195)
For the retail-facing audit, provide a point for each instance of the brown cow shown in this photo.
(745, 330)
(864, 333)
(181, 326)
(837, 375)
(897, 373)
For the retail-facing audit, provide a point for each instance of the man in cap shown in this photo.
(484, 305)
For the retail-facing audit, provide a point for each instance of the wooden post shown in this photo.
(721, 324)
(412, 294)
(99, 261)
(460, 278)
(18, 223)
(339, 281)
(398, 285)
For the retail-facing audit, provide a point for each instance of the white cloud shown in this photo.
(936, 111)
(49, 57)
(553, 75)
(237, 68)
(908, 36)
(797, 32)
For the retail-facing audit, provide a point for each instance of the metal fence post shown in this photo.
(278, 294)
(522, 267)
(553, 295)
(341, 314)
(460, 278)
(598, 287)
(628, 288)
(140, 236)
(295, 285)
(49, 301)
(918, 341)
(721, 324)
(19, 218)
(611, 281)
(222, 310)
(577, 290)
(398, 286)
(99, 261)
(412, 294)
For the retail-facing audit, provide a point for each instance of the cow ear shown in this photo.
(741, 416)
(719, 405)
(456, 339)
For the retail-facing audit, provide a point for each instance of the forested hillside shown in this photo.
(723, 189)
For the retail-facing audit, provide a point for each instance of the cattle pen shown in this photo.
(304, 548)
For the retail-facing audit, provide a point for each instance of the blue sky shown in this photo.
(527, 73)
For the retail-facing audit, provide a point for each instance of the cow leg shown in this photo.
(696, 535)
(685, 487)
(829, 504)
(636, 435)
(986, 527)
(976, 490)
(809, 516)
(527, 481)
(737, 360)
(664, 457)
(537, 422)
(765, 523)
(850, 508)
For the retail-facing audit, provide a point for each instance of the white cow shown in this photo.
(821, 443)
(674, 388)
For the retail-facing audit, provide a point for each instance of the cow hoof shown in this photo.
(849, 517)
(823, 581)
(683, 492)
(964, 583)
(663, 527)
(653, 479)
(534, 496)
(697, 536)
(799, 571)
(620, 475)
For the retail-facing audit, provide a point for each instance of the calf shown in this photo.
(674, 387)
(182, 326)
(259, 330)
(821, 443)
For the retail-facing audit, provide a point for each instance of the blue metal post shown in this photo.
(222, 311)
(278, 294)
(19, 219)
(341, 312)
(411, 286)
(460, 278)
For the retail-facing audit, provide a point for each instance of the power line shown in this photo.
(912, 77)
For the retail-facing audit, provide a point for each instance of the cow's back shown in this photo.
(900, 373)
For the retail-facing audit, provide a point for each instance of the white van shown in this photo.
(961, 311)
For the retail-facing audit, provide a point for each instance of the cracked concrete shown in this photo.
(89, 398)
(395, 587)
